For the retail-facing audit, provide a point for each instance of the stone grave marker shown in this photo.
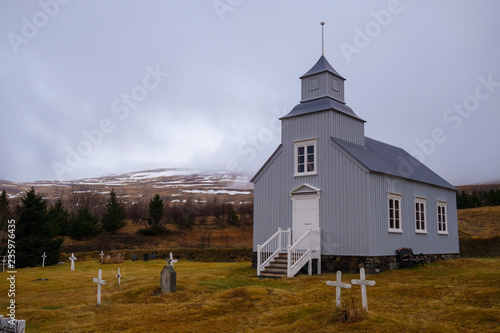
(168, 279)
(72, 258)
(146, 257)
(153, 256)
(8, 325)
(363, 283)
(119, 276)
(99, 282)
(135, 257)
(338, 284)
(43, 259)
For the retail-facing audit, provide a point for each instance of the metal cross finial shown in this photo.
(322, 38)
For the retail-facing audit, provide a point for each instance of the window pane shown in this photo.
(300, 168)
(310, 158)
(300, 159)
(391, 203)
(396, 204)
(310, 149)
(310, 167)
(300, 150)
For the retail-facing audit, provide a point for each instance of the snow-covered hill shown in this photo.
(176, 184)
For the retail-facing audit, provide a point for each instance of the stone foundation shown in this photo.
(347, 264)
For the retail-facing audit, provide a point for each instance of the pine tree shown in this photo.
(156, 210)
(34, 233)
(58, 219)
(84, 225)
(33, 216)
(113, 218)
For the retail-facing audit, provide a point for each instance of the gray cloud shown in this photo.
(230, 74)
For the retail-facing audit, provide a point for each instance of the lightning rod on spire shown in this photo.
(322, 38)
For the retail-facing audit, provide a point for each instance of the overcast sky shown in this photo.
(89, 88)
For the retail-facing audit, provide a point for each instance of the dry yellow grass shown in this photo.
(479, 222)
(461, 295)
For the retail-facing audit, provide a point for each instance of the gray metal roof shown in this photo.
(387, 159)
(322, 66)
(321, 104)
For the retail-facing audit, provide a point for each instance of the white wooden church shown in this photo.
(330, 192)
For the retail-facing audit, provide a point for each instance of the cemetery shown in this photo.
(187, 295)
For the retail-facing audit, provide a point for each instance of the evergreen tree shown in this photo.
(4, 207)
(84, 225)
(233, 218)
(33, 216)
(113, 218)
(34, 233)
(156, 211)
(58, 218)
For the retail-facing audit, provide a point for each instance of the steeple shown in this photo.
(322, 80)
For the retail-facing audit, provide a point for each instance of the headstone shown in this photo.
(43, 259)
(168, 279)
(153, 256)
(171, 261)
(99, 282)
(135, 257)
(72, 258)
(102, 255)
(146, 257)
(338, 284)
(12, 325)
(363, 283)
(119, 276)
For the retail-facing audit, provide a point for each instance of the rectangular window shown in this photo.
(395, 213)
(305, 158)
(313, 83)
(335, 84)
(442, 218)
(420, 223)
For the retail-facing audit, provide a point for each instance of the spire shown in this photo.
(322, 39)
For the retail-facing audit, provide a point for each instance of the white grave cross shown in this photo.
(101, 254)
(119, 276)
(171, 261)
(338, 284)
(363, 283)
(99, 282)
(72, 258)
(43, 259)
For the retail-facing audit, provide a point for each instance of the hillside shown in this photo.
(176, 184)
(481, 222)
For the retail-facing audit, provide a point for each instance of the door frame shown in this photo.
(304, 191)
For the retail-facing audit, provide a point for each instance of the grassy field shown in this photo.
(461, 295)
(479, 222)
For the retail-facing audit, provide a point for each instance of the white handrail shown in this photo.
(303, 251)
(276, 244)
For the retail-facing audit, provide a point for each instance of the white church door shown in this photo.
(305, 214)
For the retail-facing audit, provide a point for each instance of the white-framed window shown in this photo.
(442, 218)
(420, 216)
(394, 204)
(306, 163)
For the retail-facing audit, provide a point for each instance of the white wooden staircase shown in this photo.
(277, 257)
